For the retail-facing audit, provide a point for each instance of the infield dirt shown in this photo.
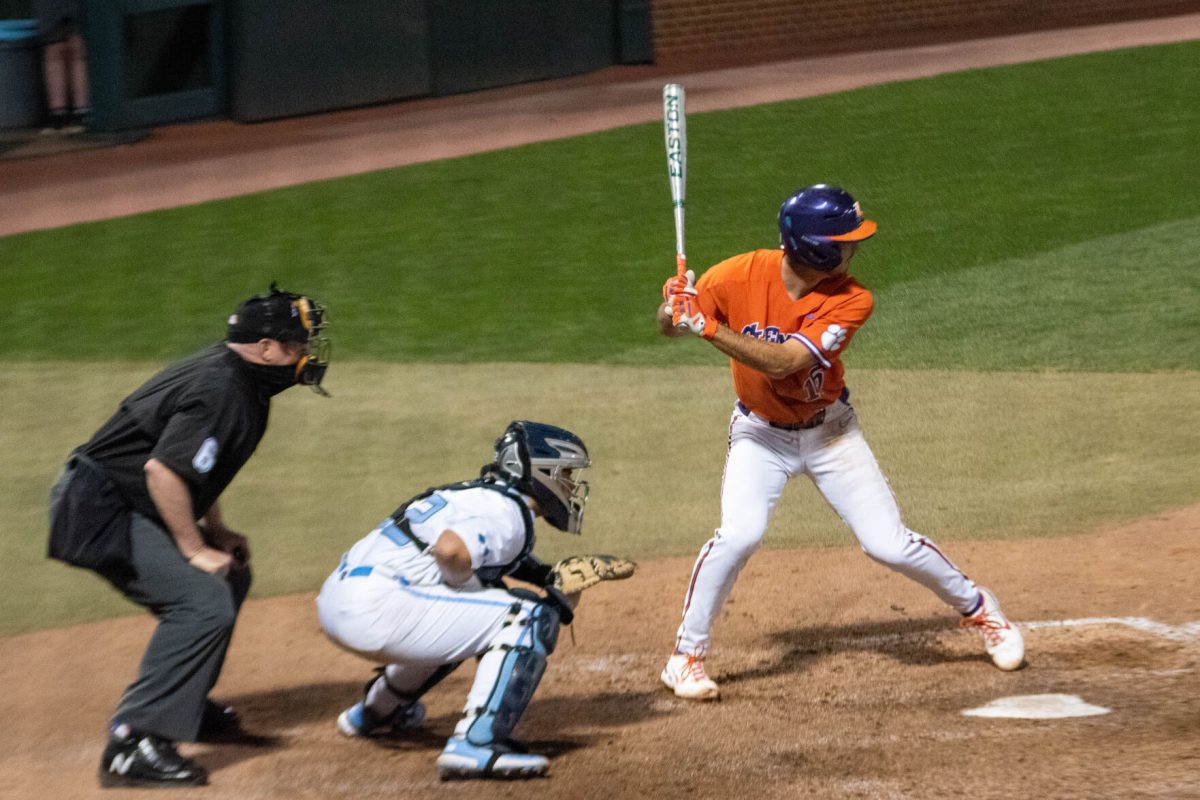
(839, 679)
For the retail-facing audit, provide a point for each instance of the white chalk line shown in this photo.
(1189, 631)
(1176, 633)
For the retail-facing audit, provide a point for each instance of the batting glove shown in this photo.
(686, 313)
(679, 284)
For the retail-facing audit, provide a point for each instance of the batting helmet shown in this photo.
(815, 219)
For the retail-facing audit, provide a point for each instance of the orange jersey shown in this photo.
(746, 293)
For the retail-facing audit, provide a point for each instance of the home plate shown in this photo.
(1038, 706)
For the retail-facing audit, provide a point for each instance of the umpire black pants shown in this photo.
(196, 614)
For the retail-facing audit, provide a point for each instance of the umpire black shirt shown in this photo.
(202, 417)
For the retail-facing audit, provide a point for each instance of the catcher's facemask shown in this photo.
(569, 490)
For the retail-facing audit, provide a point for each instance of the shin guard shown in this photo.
(521, 648)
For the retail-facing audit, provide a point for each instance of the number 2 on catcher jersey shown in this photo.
(423, 510)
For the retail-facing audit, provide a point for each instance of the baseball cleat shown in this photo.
(684, 674)
(358, 720)
(1002, 639)
(462, 760)
(144, 760)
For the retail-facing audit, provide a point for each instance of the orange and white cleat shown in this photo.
(1002, 639)
(684, 674)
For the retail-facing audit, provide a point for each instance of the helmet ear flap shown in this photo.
(817, 253)
(512, 455)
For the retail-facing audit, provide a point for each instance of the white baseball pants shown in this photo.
(416, 630)
(836, 456)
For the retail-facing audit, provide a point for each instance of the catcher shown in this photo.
(423, 592)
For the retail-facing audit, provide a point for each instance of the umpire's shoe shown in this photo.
(138, 759)
(219, 723)
(460, 759)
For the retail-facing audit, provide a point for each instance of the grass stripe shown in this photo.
(556, 251)
(970, 455)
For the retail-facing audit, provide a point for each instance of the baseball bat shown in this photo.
(675, 130)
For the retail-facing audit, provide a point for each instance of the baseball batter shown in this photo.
(422, 593)
(785, 317)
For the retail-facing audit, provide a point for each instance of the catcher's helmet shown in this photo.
(544, 462)
(815, 219)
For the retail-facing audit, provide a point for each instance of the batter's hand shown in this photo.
(679, 284)
(686, 313)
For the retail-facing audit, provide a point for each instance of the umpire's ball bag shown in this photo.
(89, 525)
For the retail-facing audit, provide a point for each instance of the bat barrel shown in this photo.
(675, 135)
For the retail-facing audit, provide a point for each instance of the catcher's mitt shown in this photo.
(576, 573)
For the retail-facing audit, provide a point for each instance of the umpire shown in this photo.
(138, 504)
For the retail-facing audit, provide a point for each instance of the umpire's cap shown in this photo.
(279, 315)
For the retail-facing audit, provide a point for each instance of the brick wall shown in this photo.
(722, 32)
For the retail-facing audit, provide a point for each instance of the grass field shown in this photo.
(1032, 367)
(970, 455)
(554, 252)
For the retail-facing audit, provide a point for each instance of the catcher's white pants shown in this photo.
(839, 461)
(417, 629)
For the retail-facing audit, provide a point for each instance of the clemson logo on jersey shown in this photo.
(832, 338)
(767, 334)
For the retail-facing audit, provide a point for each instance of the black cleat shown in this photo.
(145, 760)
(220, 723)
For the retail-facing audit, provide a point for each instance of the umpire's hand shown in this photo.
(211, 560)
(231, 542)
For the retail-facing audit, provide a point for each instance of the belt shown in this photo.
(812, 422)
(78, 459)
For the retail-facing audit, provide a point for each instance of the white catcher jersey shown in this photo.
(490, 524)
(387, 601)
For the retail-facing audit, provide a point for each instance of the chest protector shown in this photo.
(489, 574)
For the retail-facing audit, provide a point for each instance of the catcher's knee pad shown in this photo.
(526, 644)
(545, 620)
